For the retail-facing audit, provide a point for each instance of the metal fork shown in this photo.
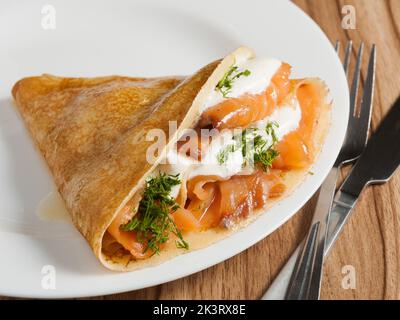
(307, 269)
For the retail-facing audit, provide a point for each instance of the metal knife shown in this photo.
(377, 164)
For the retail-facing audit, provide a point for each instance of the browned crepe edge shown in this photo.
(96, 190)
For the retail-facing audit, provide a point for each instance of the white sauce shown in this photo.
(209, 164)
(287, 117)
(261, 73)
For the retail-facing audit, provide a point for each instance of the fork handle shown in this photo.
(340, 212)
(305, 282)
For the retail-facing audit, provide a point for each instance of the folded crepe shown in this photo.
(92, 134)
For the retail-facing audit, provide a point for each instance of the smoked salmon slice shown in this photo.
(296, 149)
(240, 195)
(128, 238)
(212, 200)
(241, 111)
(202, 193)
(185, 220)
(196, 186)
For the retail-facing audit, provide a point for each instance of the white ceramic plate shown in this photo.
(147, 38)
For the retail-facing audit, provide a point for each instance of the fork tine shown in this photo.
(356, 81)
(337, 46)
(347, 57)
(368, 95)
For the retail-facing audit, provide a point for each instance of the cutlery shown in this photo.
(377, 164)
(307, 270)
(305, 282)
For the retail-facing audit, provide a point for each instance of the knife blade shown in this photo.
(377, 164)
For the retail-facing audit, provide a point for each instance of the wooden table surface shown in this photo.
(371, 239)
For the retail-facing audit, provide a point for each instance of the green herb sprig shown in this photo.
(264, 154)
(225, 84)
(270, 130)
(254, 147)
(153, 222)
(223, 155)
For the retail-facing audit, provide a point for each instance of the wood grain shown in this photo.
(371, 239)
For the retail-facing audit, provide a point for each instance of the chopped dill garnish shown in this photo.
(153, 222)
(270, 130)
(255, 148)
(223, 155)
(265, 155)
(225, 84)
